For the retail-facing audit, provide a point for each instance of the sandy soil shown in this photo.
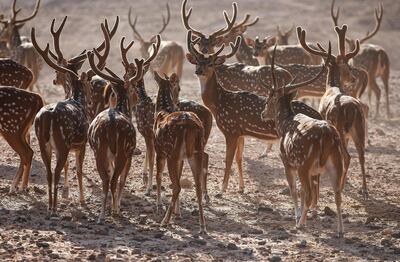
(256, 225)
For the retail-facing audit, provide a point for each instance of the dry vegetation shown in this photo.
(256, 225)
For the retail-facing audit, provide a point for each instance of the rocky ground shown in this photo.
(256, 225)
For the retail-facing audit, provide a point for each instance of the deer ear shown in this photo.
(174, 77)
(157, 77)
(219, 60)
(250, 42)
(190, 58)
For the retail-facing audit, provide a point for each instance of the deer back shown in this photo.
(14, 74)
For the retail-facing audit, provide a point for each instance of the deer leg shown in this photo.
(101, 163)
(122, 181)
(377, 91)
(361, 159)
(145, 165)
(22, 148)
(28, 162)
(291, 179)
(150, 157)
(315, 180)
(231, 145)
(62, 156)
(45, 152)
(80, 156)
(267, 149)
(160, 164)
(65, 192)
(196, 167)
(239, 162)
(173, 170)
(305, 181)
(346, 155)
(120, 164)
(206, 158)
(385, 80)
(177, 211)
(336, 178)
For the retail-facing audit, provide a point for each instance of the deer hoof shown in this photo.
(203, 231)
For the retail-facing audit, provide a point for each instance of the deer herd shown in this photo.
(255, 97)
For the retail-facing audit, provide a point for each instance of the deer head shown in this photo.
(12, 25)
(175, 87)
(205, 43)
(339, 66)
(164, 94)
(287, 92)
(352, 42)
(205, 65)
(282, 38)
(260, 48)
(145, 45)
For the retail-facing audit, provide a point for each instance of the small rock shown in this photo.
(54, 256)
(386, 242)
(302, 244)
(232, 246)
(195, 212)
(42, 244)
(92, 256)
(263, 208)
(329, 212)
(396, 234)
(148, 209)
(219, 195)
(262, 242)
(285, 191)
(275, 258)
(38, 190)
(255, 231)
(159, 234)
(199, 241)
(380, 132)
(369, 220)
(142, 219)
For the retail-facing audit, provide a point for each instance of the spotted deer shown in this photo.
(205, 116)
(207, 44)
(285, 54)
(14, 74)
(179, 135)
(22, 52)
(170, 56)
(308, 148)
(62, 127)
(144, 109)
(372, 58)
(112, 135)
(94, 104)
(282, 38)
(237, 113)
(343, 111)
(18, 109)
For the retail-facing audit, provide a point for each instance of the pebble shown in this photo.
(42, 244)
(255, 231)
(302, 244)
(275, 258)
(148, 209)
(263, 208)
(329, 212)
(232, 246)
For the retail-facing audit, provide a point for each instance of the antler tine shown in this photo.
(45, 55)
(56, 37)
(335, 18)
(110, 33)
(34, 13)
(301, 35)
(341, 32)
(354, 52)
(124, 51)
(246, 18)
(98, 72)
(139, 71)
(133, 26)
(14, 12)
(291, 86)
(254, 22)
(278, 30)
(378, 20)
(234, 47)
(155, 47)
(185, 19)
(165, 22)
(230, 23)
(273, 75)
(190, 44)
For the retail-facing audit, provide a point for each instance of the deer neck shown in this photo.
(123, 105)
(283, 114)
(164, 103)
(15, 39)
(209, 90)
(141, 91)
(78, 93)
(333, 79)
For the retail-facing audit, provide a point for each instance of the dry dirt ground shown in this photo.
(256, 225)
